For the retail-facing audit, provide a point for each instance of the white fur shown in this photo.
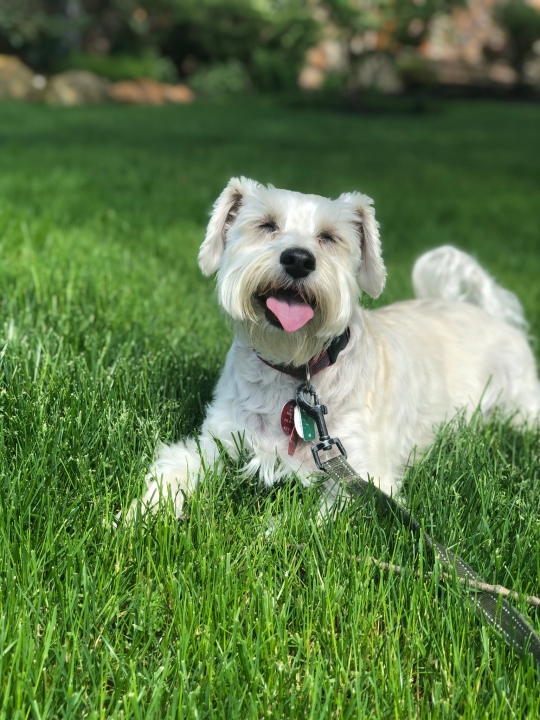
(407, 368)
(449, 274)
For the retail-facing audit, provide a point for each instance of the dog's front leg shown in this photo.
(175, 473)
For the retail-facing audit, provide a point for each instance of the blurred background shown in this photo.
(171, 51)
(121, 121)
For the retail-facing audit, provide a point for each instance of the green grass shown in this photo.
(110, 338)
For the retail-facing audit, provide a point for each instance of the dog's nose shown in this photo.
(297, 262)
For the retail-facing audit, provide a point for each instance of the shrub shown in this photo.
(32, 30)
(269, 39)
(126, 67)
(227, 78)
(522, 24)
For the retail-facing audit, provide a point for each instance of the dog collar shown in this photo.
(320, 362)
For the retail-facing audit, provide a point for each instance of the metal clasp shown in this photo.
(316, 411)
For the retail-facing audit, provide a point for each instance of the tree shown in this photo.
(522, 24)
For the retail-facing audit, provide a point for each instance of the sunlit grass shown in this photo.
(111, 338)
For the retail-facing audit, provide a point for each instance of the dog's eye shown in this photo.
(269, 226)
(326, 237)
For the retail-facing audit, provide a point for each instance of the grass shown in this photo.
(110, 338)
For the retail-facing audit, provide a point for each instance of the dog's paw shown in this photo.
(173, 475)
(171, 487)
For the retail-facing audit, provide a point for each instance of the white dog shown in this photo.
(290, 268)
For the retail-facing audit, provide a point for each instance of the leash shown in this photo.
(499, 613)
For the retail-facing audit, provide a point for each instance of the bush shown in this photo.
(269, 39)
(122, 39)
(29, 29)
(220, 79)
(416, 72)
(522, 24)
(272, 71)
(126, 67)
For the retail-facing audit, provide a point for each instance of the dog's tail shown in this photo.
(447, 273)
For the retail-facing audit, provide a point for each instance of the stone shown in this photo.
(39, 82)
(145, 91)
(178, 94)
(327, 57)
(336, 55)
(15, 79)
(502, 74)
(316, 57)
(127, 92)
(531, 72)
(311, 78)
(451, 72)
(153, 91)
(377, 71)
(76, 87)
(462, 35)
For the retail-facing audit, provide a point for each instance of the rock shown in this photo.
(149, 92)
(311, 78)
(39, 82)
(450, 72)
(327, 57)
(462, 35)
(336, 55)
(15, 79)
(531, 71)
(153, 91)
(316, 57)
(76, 87)
(502, 74)
(127, 92)
(377, 71)
(178, 94)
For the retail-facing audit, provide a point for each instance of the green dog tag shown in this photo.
(305, 426)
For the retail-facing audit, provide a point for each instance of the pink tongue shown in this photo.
(293, 315)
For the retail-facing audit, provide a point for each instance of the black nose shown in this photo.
(297, 262)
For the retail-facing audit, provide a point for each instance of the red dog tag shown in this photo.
(293, 442)
(287, 417)
(287, 425)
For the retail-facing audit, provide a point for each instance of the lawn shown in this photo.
(110, 339)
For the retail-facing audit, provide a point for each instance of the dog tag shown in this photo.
(287, 425)
(305, 426)
(293, 442)
(287, 417)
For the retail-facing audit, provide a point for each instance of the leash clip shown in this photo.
(316, 412)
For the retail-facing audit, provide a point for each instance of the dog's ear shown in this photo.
(372, 273)
(224, 213)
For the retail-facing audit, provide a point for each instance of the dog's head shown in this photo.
(291, 266)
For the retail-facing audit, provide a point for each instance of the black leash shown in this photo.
(517, 632)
